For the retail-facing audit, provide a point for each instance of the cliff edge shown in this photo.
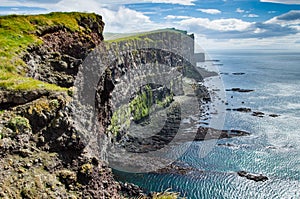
(41, 155)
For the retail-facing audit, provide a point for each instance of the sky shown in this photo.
(217, 24)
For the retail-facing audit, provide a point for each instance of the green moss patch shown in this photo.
(19, 124)
(137, 110)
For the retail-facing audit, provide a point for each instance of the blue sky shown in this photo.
(255, 24)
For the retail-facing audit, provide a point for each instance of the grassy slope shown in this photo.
(19, 32)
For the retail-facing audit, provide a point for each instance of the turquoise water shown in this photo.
(273, 149)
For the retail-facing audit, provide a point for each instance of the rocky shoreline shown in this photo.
(178, 168)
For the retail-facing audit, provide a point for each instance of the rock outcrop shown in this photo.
(254, 177)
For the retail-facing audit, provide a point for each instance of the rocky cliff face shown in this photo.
(41, 154)
(56, 61)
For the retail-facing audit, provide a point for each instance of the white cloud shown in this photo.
(287, 19)
(210, 11)
(239, 10)
(125, 20)
(282, 1)
(37, 3)
(233, 28)
(117, 18)
(176, 17)
(251, 15)
(222, 25)
(287, 42)
(259, 31)
(181, 2)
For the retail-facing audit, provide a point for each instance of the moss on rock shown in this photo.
(19, 124)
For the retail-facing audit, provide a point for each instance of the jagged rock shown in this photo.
(131, 190)
(57, 60)
(254, 177)
(11, 98)
(207, 133)
(175, 168)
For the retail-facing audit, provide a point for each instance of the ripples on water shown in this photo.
(273, 149)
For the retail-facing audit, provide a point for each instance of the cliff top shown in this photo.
(18, 32)
(115, 37)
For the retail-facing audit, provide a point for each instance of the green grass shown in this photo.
(140, 35)
(13, 81)
(19, 32)
(163, 195)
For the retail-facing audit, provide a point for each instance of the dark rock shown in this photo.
(11, 98)
(271, 147)
(176, 168)
(207, 133)
(274, 115)
(226, 144)
(131, 190)
(258, 113)
(238, 73)
(160, 139)
(254, 177)
(240, 90)
(57, 60)
(246, 110)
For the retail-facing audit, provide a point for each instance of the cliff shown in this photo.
(45, 68)
(41, 155)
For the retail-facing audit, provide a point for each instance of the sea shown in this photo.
(272, 149)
